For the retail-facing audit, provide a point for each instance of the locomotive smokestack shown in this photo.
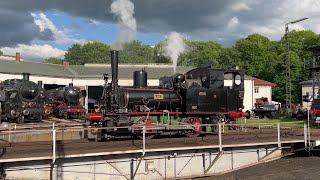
(40, 84)
(26, 76)
(114, 65)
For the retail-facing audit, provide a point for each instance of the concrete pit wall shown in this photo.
(166, 165)
(42, 136)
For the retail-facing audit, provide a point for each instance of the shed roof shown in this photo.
(308, 82)
(86, 71)
(155, 71)
(260, 82)
(14, 67)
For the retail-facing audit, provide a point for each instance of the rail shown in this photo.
(210, 135)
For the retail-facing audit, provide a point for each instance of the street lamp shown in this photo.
(288, 62)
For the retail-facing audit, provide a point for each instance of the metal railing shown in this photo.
(213, 135)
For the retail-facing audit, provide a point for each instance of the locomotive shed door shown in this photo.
(52, 86)
(94, 95)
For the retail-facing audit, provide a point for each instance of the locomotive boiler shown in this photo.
(63, 102)
(21, 100)
(201, 96)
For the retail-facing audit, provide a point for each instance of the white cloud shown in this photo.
(94, 22)
(240, 7)
(60, 36)
(265, 30)
(34, 52)
(317, 28)
(233, 22)
(298, 27)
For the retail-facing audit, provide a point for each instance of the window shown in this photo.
(256, 90)
(237, 79)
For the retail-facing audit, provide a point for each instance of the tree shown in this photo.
(301, 59)
(1, 53)
(92, 52)
(258, 55)
(158, 52)
(53, 60)
(136, 52)
(200, 53)
(229, 58)
(279, 92)
(74, 54)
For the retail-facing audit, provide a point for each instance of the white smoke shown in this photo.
(174, 47)
(124, 12)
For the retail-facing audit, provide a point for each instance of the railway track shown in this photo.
(40, 149)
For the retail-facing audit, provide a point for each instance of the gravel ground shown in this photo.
(285, 168)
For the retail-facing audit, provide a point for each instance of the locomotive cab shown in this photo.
(214, 90)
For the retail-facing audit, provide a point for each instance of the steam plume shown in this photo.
(124, 12)
(174, 47)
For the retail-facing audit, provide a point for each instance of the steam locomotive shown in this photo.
(201, 96)
(64, 103)
(21, 100)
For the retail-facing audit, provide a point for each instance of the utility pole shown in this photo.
(288, 65)
(288, 70)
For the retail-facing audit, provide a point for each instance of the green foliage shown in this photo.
(135, 52)
(53, 60)
(1, 53)
(230, 58)
(300, 57)
(92, 52)
(200, 53)
(258, 55)
(158, 52)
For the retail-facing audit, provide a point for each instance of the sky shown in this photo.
(39, 29)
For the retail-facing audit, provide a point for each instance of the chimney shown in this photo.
(26, 76)
(40, 84)
(66, 64)
(114, 66)
(18, 57)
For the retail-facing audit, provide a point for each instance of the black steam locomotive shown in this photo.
(21, 100)
(63, 102)
(201, 96)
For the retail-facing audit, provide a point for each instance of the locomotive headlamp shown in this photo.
(26, 112)
(105, 77)
(13, 113)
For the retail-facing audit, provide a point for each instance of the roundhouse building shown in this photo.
(89, 77)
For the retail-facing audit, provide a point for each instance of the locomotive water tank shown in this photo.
(140, 79)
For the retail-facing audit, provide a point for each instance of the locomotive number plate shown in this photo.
(202, 93)
(158, 96)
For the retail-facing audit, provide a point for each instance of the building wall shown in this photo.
(263, 91)
(10, 76)
(247, 101)
(76, 82)
(307, 89)
(248, 95)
